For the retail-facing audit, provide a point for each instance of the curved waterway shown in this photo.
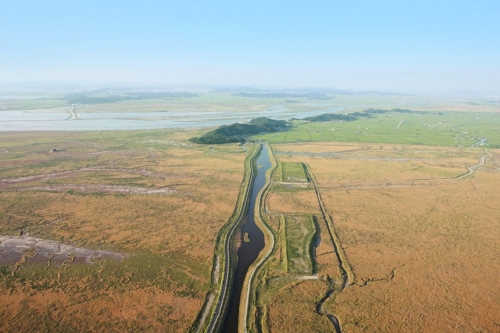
(248, 251)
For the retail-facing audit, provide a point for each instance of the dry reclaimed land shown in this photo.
(115, 231)
(420, 228)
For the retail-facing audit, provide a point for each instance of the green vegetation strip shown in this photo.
(239, 132)
(300, 231)
(293, 171)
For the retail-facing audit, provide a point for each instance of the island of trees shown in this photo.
(238, 132)
(335, 117)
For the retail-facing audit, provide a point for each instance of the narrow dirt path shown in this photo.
(215, 275)
(48, 176)
(295, 277)
(72, 113)
(345, 268)
(416, 182)
(344, 264)
(206, 311)
(399, 125)
(472, 169)
(89, 188)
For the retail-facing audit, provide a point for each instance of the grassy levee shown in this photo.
(247, 297)
(293, 171)
(223, 255)
(298, 244)
(280, 166)
(349, 278)
(281, 235)
(283, 241)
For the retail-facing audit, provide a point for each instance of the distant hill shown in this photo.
(238, 132)
(326, 117)
(281, 94)
(336, 117)
(397, 110)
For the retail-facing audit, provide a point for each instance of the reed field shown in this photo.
(418, 227)
(382, 222)
(150, 196)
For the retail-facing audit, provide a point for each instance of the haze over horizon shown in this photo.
(361, 45)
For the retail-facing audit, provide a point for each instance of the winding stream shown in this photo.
(248, 251)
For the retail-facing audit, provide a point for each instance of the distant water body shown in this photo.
(61, 119)
(20, 97)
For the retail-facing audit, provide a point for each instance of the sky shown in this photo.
(355, 45)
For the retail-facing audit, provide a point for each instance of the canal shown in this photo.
(248, 251)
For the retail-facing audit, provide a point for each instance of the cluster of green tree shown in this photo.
(281, 94)
(238, 132)
(89, 99)
(337, 117)
(388, 111)
(356, 115)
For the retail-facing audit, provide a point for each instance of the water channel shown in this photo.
(248, 251)
(60, 119)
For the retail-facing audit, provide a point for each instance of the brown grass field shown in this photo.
(439, 243)
(423, 245)
(292, 308)
(419, 227)
(167, 237)
(292, 283)
(294, 200)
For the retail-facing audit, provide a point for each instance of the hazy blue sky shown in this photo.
(379, 45)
